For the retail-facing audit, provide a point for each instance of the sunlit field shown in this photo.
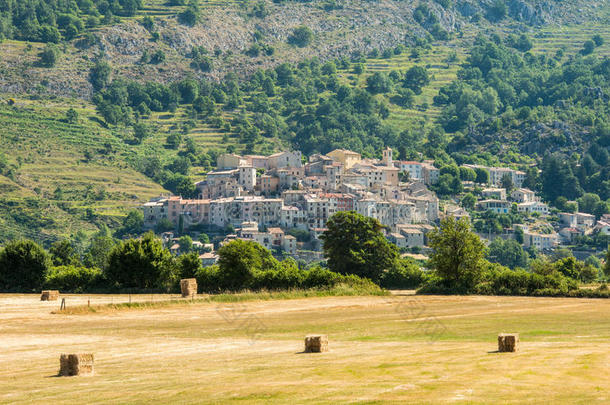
(382, 349)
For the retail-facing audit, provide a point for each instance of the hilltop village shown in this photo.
(283, 201)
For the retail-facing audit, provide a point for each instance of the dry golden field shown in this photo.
(394, 349)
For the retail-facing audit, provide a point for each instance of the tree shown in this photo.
(100, 74)
(588, 47)
(416, 78)
(301, 36)
(573, 268)
(449, 184)
(186, 244)
(23, 266)
(358, 68)
(557, 179)
(164, 225)
(523, 43)
(467, 174)
(482, 175)
(49, 55)
(63, 254)
(598, 40)
(497, 11)
(508, 253)
(188, 90)
(519, 235)
(204, 238)
(157, 57)
(132, 224)
(469, 201)
(71, 116)
(49, 34)
(354, 244)
(148, 22)
(99, 250)
(130, 7)
(204, 105)
(191, 15)
(188, 265)
(239, 261)
(378, 82)
(141, 263)
(601, 208)
(254, 50)
(507, 183)
(405, 97)
(140, 131)
(588, 203)
(457, 253)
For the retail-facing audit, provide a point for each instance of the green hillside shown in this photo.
(61, 176)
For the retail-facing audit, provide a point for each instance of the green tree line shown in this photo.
(56, 20)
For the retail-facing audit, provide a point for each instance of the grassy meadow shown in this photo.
(388, 349)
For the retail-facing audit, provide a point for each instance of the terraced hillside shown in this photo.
(59, 177)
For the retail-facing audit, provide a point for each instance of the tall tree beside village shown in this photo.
(457, 254)
(141, 263)
(354, 244)
(239, 261)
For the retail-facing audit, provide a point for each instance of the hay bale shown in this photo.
(76, 364)
(508, 342)
(188, 286)
(316, 343)
(49, 295)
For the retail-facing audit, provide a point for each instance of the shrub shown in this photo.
(191, 15)
(301, 36)
(49, 55)
(286, 276)
(598, 40)
(500, 280)
(318, 276)
(73, 279)
(405, 274)
(276, 275)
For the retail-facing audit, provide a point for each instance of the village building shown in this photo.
(497, 206)
(534, 206)
(495, 193)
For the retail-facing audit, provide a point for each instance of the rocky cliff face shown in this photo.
(351, 26)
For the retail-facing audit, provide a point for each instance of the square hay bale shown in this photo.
(508, 342)
(76, 364)
(49, 295)
(188, 286)
(316, 343)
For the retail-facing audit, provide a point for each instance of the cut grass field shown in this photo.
(382, 349)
